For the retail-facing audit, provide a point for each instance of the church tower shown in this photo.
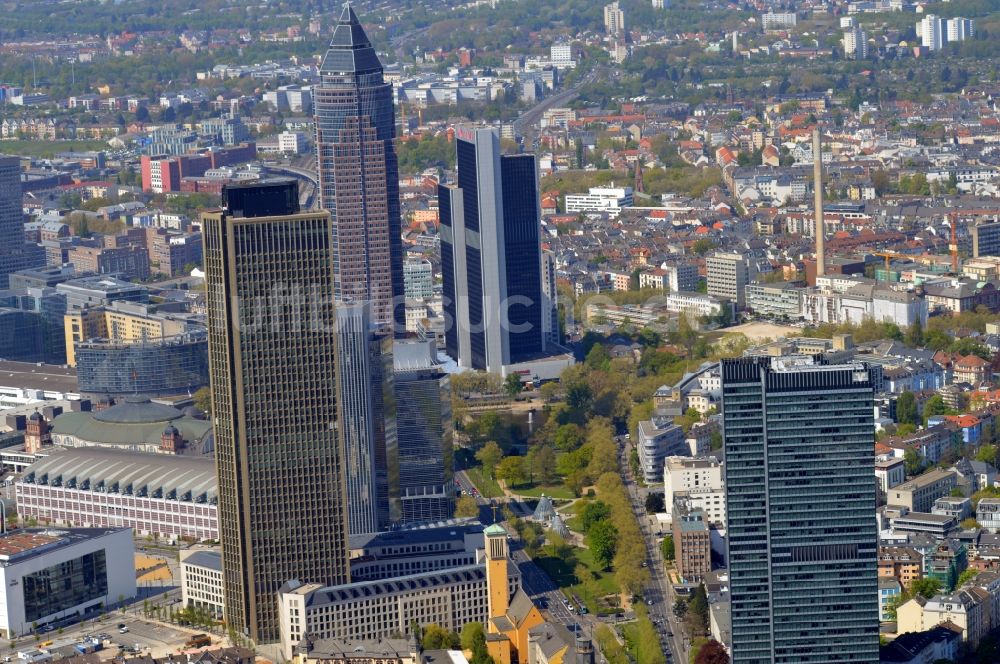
(36, 433)
(497, 553)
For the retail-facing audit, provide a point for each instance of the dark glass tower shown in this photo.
(491, 256)
(11, 219)
(359, 175)
(272, 354)
(800, 497)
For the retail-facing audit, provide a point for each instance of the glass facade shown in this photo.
(272, 359)
(522, 249)
(12, 255)
(64, 586)
(169, 366)
(800, 494)
(359, 173)
(424, 427)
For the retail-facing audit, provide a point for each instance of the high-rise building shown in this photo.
(931, 32)
(418, 278)
(550, 308)
(960, 29)
(800, 492)
(855, 43)
(424, 429)
(614, 20)
(491, 256)
(358, 173)
(272, 352)
(365, 419)
(985, 239)
(11, 219)
(728, 276)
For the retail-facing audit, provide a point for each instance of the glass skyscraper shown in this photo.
(366, 420)
(11, 219)
(272, 359)
(800, 496)
(358, 173)
(491, 256)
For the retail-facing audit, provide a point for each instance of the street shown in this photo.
(660, 593)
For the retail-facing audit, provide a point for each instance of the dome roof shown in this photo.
(138, 410)
(35, 416)
(171, 430)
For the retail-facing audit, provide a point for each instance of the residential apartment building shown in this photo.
(902, 563)
(769, 492)
(692, 542)
(614, 20)
(968, 609)
(919, 494)
(700, 481)
(656, 440)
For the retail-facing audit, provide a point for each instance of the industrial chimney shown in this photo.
(818, 187)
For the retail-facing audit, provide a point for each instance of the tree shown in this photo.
(912, 461)
(966, 576)
(512, 385)
(906, 409)
(568, 437)
(466, 506)
(489, 456)
(142, 114)
(935, 406)
(667, 547)
(471, 634)
(712, 653)
(914, 335)
(680, 608)
(203, 400)
(987, 454)
(969, 524)
(436, 637)
(602, 538)
(698, 610)
(926, 587)
(654, 503)
(541, 460)
(592, 513)
(511, 471)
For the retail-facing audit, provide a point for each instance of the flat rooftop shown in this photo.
(22, 542)
(32, 376)
(26, 543)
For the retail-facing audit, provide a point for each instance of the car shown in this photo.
(649, 602)
(120, 625)
(123, 630)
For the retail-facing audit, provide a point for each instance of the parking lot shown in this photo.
(142, 637)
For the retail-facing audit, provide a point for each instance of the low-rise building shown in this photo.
(968, 609)
(919, 494)
(201, 580)
(902, 563)
(988, 514)
(49, 575)
(888, 590)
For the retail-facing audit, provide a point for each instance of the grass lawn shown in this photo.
(487, 486)
(49, 149)
(590, 592)
(557, 491)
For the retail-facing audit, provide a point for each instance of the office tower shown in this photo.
(550, 295)
(491, 256)
(365, 417)
(800, 495)
(418, 279)
(728, 276)
(960, 29)
(931, 32)
(855, 43)
(614, 20)
(424, 430)
(985, 239)
(358, 173)
(11, 219)
(272, 353)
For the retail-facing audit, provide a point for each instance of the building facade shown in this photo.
(789, 520)
(491, 256)
(359, 173)
(280, 465)
(11, 219)
(728, 276)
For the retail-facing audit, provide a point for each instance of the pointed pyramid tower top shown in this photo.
(350, 49)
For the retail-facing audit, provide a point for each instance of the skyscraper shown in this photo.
(11, 219)
(800, 494)
(358, 173)
(614, 20)
(491, 256)
(272, 353)
(424, 428)
(366, 420)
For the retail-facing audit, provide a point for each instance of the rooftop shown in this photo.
(32, 376)
(26, 543)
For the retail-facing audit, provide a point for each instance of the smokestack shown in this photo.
(818, 186)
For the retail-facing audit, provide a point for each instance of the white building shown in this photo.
(701, 480)
(561, 55)
(600, 199)
(201, 580)
(931, 32)
(614, 20)
(959, 29)
(292, 142)
(697, 304)
(418, 279)
(48, 575)
(856, 43)
(779, 20)
(728, 276)
(657, 439)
